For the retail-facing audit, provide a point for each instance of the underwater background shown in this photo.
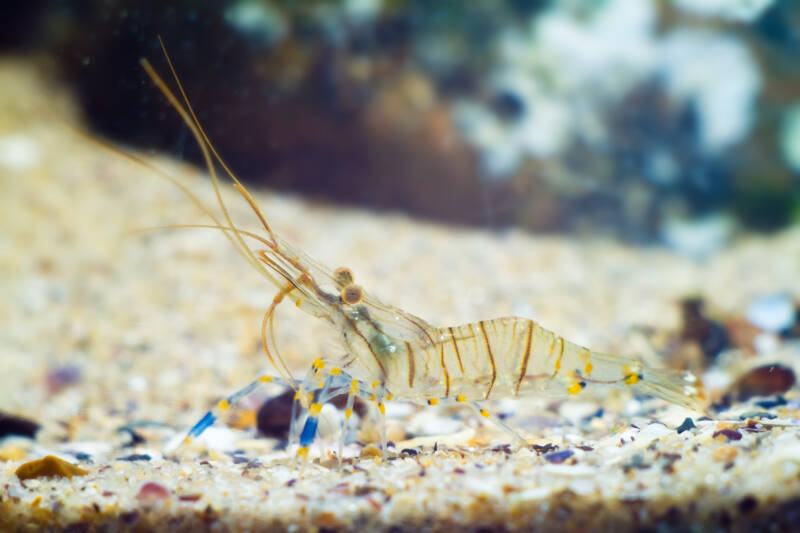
(674, 122)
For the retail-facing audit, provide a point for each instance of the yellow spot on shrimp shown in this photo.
(382, 408)
(575, 388)
(335, 371)
(557, 366)
(315, 409)
(461, 398)
(485, 413)
(433, 401)
(588, 368)
(348, 413)
(632, 379)
(224, 404)
(265, 379)
(375, 384)
(389, 396)
(302, 452)
(318, 364)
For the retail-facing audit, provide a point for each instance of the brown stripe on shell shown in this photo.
(411, 365)
(458, 352)
(363, 338)
(524, 368)
(446, 374)
(491, 358)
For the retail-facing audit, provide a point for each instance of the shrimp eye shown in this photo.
(351, 294)
(343, 276)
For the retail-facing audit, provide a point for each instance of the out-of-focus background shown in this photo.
(674, 121)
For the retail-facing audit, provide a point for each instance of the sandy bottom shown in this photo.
(116, 342)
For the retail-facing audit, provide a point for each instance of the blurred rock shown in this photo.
(698, 237)
(790, 137)
(773, 313)
(275, 416)
(61, 377)
(764, 380)
(586, 117)
(708, 334)
(737, 10)
(49, 466)
(17, 425)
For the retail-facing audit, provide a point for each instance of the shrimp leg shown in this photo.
(461, 399)
(499, 423)
(223, 405)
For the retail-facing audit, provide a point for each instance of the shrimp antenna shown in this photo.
(238, 240)
(238, 184)
(206, 147)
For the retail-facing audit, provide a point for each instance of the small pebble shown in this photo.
(275, 415)
(136, 438)
(12, 452)
(764, 380)
(544, 448)
(62, 377)
(48, 466)
(725, 454)
(370, 450)
(748, 504)
(686, 425)
(757, 414)
(152, 491)
(327, 520)
(17, 425)
(135, 457)
(773, 313)
(729, 434)
(698, 237)
(559, 457)
(769, 404)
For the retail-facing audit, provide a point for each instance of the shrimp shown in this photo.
(392, 354)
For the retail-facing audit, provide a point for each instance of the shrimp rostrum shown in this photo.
(393, 354)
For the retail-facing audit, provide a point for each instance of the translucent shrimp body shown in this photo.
(392, 354)
(499, 358)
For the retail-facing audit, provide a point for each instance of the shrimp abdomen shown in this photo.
(517, 357)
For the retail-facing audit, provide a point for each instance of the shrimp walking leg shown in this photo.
(309, 431)
(519, 439)
(348, 412)
(223, 405)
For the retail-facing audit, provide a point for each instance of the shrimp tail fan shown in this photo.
(678, 387)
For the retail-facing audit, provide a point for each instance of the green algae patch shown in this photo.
(49, 466)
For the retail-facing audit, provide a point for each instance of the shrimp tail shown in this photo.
(680, 388)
